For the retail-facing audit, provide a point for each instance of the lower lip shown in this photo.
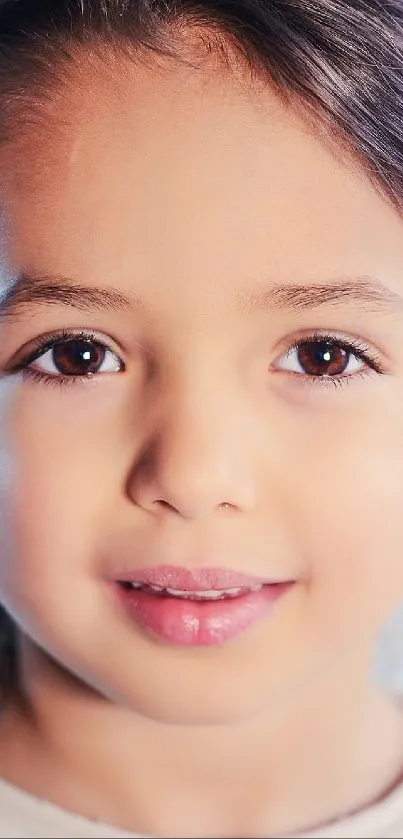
(199, 623)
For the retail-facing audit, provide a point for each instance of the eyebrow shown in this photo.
(365, 292)
(31, 289)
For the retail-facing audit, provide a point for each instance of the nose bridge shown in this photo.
(198, 456)
(196, 430)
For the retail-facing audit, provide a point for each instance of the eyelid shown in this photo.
(37, 347)
(369, 356)
(368, 351)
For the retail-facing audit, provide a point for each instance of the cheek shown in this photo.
(354, 530)
(51, 496)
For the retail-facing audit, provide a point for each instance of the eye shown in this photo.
(76, 357)
(328, 357)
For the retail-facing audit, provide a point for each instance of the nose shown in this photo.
(197, 460)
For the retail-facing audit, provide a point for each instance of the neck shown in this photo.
(286, 772)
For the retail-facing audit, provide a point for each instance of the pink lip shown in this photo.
(195, 579)
(193, 622)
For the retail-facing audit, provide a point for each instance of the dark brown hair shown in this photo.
(341, 61)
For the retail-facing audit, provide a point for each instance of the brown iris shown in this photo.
(321, 358)
(78, 357)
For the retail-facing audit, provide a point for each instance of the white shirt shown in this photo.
(24, 817)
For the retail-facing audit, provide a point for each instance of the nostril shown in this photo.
(159, 502)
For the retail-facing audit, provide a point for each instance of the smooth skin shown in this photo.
(200, 441)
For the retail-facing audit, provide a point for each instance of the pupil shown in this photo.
(78, 357)
(319, 358)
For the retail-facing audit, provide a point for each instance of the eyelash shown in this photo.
(49, 343)
(353, 346)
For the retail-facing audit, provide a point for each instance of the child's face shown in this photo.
(196, 200)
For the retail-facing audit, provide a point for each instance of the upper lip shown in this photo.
(193, 579)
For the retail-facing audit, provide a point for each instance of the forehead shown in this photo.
(188, 181)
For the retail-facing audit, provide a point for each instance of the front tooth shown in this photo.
(201, 595)
(157, 588)
(212, 594)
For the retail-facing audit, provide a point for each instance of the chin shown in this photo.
(196, 701)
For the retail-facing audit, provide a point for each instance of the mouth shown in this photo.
(208, 594)
(202, 607)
